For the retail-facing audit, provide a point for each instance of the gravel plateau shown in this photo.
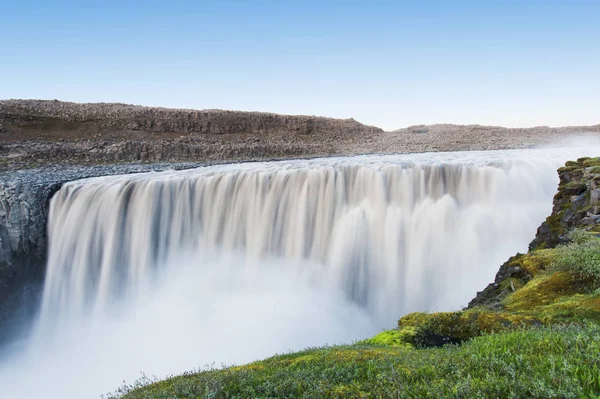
(38, 133)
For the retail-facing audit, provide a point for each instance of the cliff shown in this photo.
(576, 204)
(23, 214)
(37, 118)
(40, 133)
(36, 132)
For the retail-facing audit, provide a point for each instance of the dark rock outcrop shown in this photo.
(23, 215)
(576, 204)
(504, 283)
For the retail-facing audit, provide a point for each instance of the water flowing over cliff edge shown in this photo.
(391, 233)
(287, 255)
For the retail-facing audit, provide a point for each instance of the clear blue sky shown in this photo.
(388, 63)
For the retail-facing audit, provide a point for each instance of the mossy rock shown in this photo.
(399, 337)
(559, 297)
(535, 262)
(578, 308)
(574, 188)
(591, 162)
(442, 328)
(593, 170)
(513, 275)
(541, 291)
(567, 170)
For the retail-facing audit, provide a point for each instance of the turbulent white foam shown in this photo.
(163, 272)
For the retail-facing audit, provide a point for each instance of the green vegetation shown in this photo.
(558, 362)
(591, 162)
(397, 337)
(581, 257)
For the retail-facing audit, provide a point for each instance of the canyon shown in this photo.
(101, 202)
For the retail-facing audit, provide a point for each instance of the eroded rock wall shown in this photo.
(23, 215)
(576, 204)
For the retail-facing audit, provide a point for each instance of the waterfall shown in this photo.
(166, 272)
(396, 234)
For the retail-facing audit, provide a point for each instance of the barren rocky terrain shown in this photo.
(38, 133)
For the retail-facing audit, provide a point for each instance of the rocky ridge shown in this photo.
(35, 132)
(40, 133)
(49, 117)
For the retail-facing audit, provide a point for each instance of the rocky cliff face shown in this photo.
(23, 214)
(576, 206)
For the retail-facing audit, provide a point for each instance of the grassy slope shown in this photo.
(560, 362)
(542, 340)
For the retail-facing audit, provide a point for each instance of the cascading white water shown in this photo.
(397, 236)
(163, 272)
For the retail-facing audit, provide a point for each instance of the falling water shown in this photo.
(158, 271)
(396, 236)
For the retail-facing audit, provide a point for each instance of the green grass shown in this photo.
(397, 337)
(581, 257)
(557, 362)
(591, 162)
